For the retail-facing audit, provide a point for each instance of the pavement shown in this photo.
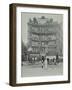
(32, 70)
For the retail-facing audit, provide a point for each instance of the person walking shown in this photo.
(54, 61)
(42, 60)
(57, 58)
(48, 60)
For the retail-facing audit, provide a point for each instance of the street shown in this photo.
(37, 70)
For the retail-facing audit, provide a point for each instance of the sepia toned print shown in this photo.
(41, 44)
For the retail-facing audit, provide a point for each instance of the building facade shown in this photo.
(45, 37)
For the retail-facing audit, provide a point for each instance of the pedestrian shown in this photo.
(54, 61)
(42, 61)
(57, 58)
(48, 60)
